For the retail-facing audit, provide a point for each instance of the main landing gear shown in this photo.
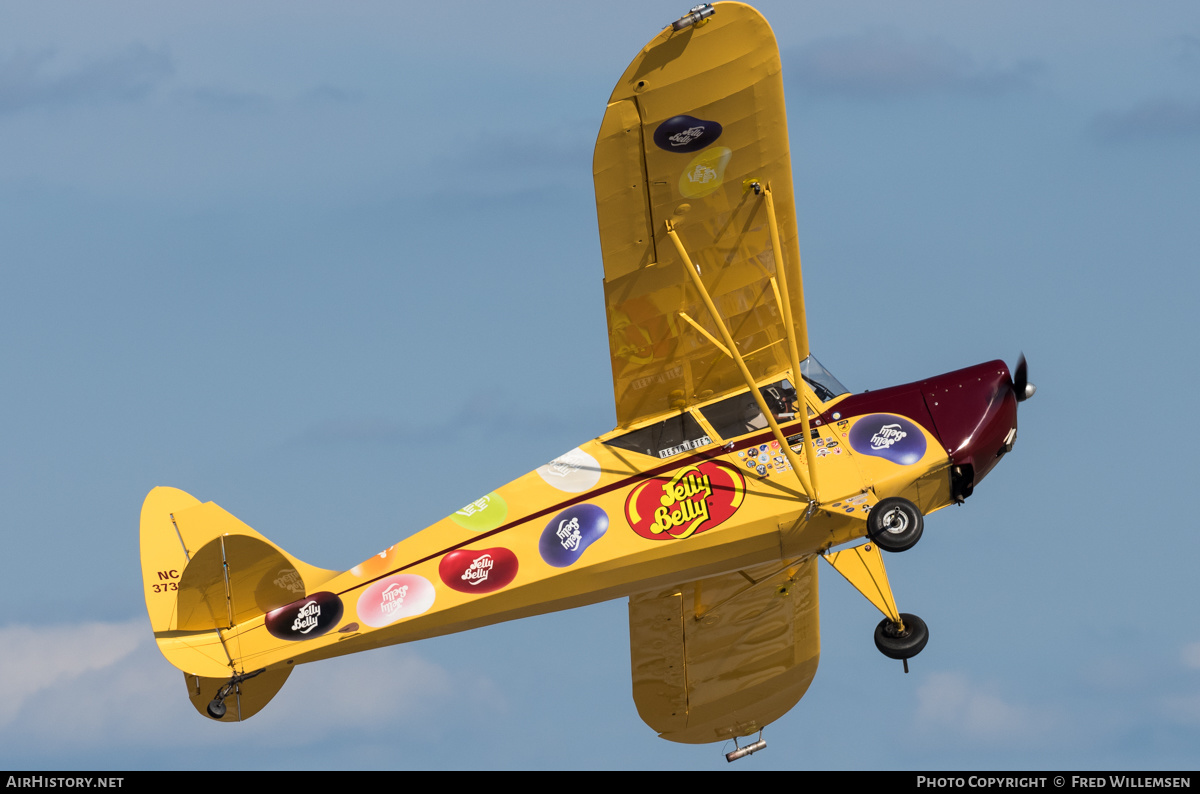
(894, 524)
(902, 640)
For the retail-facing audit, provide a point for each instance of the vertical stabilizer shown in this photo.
(204, 572)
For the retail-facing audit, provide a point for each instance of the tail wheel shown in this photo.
(895, 524)
(896, 643)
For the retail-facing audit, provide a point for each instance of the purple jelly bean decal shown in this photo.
(889, 437)
(569, 534)
(686, 134)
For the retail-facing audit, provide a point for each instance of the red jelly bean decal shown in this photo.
(478, 571)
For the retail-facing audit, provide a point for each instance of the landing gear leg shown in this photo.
(899, 635)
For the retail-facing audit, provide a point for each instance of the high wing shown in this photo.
(723, 657)
(697, 228)
(695, 138)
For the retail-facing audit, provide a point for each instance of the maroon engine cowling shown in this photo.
(970, 411)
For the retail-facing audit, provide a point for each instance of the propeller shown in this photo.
(1021, 385)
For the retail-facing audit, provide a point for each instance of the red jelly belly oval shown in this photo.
(478, 571)
(697, 498)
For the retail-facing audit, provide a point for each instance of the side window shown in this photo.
(666, 439)
(740, 415)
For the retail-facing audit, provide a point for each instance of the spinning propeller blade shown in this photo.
(1021, 385)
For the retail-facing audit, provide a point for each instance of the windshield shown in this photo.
(824, 384)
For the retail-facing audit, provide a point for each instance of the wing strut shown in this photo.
(791, 329)
(732, 351)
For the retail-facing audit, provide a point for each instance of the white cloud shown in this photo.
(878, 63)
(1184, 50)
(1183, 706)
(1191, 655)
(1152, 119)
(70, 690)
(1184, 709)
(952, 703)
(365, 690)
(27, 80)
(33, 660)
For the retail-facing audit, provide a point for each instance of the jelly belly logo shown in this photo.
(478, 571)
(289, 579)
(705, 173)
(686, 134)
(568, 535)
(393, 598)
(889, 437)
(306, 618)
(695, 500)
(486, 512)
(573, 472)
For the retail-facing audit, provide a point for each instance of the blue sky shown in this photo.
(336, 268)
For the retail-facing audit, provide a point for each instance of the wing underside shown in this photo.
(694, 124)
(723, 657)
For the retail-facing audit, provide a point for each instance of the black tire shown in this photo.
(216, 709)
(905, 644)
(895, 524)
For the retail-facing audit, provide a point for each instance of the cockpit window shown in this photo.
(740, 415)
(824, 384)
(666, 439)
(730, 418)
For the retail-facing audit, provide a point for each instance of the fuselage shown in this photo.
(693, 495)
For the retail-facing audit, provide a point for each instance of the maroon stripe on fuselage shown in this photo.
(707, 453)
(906, 400)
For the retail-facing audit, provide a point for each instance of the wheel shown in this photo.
(905, 644)
(895, 524)
(216, 709)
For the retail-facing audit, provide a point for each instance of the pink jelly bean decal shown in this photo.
(393, 598)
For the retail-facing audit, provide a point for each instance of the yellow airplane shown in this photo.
(738, 460)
